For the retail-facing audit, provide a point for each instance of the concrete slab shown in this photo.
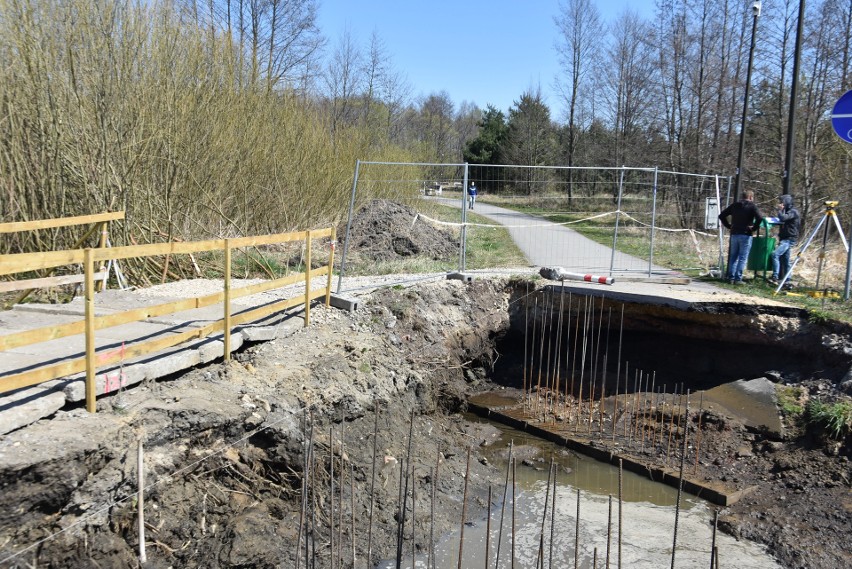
(27, 406)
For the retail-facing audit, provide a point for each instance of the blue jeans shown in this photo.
(781, 258)
(740, 246)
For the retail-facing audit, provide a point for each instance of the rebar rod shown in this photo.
(713, 540)
(626, 399)
(503, 505)
(547, 375)
(557, 360)
(528, 394)
(552, 524)
(430, 551)
(464, 508)
(487, 529)
(617, 371)
(413, 516)
(540, 358)
(331, 495)
(340, 501)
(514, 494)
(608, 530)
(574, 356)
(526, 335)
(539, 562)
(567, 353)
(304, 506)
(352, 507)
(577, 534)
(403, 473)
(680, 482)
(698, 431)
(620, 494)
(373, 484)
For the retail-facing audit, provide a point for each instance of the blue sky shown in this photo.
(481, 51)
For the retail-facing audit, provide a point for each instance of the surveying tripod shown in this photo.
(829, 212)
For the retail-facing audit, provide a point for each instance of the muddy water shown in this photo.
(648, 513)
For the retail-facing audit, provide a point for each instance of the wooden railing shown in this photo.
(26, 262)
(98, 220)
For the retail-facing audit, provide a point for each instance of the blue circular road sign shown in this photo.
(841, 117)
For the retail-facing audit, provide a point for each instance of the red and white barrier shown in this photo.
(559, 274)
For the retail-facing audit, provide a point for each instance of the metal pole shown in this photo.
(794, 97)
(617, 217)
(848, 267)
(738, 190)
(140, 499)
(348, 226)
(722, 267)
(653, 223)
(463, 248)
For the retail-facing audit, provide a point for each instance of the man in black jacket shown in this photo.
(788, 235)
(745, 218)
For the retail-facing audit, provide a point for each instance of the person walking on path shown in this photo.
(471, 195)
(788, 235)
(744, 219)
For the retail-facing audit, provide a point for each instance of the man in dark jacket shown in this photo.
(744, 219)
(788, 235)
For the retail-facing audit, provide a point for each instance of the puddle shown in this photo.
(648, 514)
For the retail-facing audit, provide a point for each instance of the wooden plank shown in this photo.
(18, 226)
(152, 249)
(24, 262)
(8, 286)
(267, 239)
(263, 311)
(267, 285)
(42, 374)
(38, 335)
(152, 346)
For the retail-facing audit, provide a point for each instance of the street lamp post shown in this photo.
(738, 187)
(794, 97)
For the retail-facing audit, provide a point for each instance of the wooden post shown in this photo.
(227, 301)
(308, 277)
(89, 269)
(330, 267)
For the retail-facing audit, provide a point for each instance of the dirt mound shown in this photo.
(385, 230)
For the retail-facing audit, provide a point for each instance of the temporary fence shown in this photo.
(221, 252)
(608, 220)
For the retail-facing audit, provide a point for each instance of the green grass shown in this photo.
(789, 401)
(834, 419)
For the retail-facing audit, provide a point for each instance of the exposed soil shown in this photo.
(385, 231)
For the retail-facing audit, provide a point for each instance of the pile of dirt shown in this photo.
(385, 230)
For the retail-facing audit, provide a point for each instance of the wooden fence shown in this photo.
(27, 262)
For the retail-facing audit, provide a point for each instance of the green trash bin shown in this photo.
(759, 257)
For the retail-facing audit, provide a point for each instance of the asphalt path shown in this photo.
(548, 244)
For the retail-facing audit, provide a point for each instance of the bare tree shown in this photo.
(578, 45)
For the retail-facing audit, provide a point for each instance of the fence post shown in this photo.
(348, 226)
(307, 277)
(617, 217)
(330, 267)
(89, 271)
(653, 223)
(463, 241)
(226, 337)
